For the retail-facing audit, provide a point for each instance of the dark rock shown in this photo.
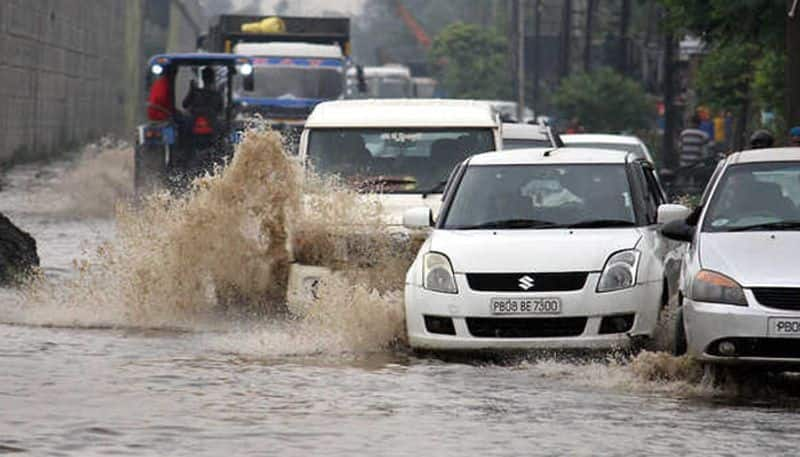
(17, 252)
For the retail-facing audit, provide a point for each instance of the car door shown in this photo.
(668, 254)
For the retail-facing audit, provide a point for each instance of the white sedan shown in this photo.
(740, 283)
(627, 143)
(543, 249)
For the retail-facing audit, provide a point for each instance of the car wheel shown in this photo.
(679, 336)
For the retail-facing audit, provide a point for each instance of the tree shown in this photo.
(604, 101)
(472, 62)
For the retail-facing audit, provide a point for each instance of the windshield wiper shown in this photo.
(439, 187)
(375, 181)
(511, 224)
(598, 223)
(781, 225)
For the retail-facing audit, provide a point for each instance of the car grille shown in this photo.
(778, 297)
(768, 348)
(522, 327)
(537, 282)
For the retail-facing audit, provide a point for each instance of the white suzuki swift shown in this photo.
(541, 248)
(741, 275)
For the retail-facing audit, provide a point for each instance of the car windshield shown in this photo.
(633, 148)
(394, 160)
(517, 143)
(290, 82)
(542, 196)
(758, 196)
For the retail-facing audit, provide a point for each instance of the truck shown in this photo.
(299, 62)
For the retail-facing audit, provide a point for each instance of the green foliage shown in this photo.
(729, 21)
(725, 75)
(769, 81)
(604, 101)
(472, 62)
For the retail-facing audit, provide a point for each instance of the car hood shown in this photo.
(753, 258)
(394, 205)
(548, 250)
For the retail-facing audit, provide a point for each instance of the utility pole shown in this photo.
(520, 35)
(537, 5)
(793, 63)
(624, 23)
(587, 44)
(670, 158)
(566, 37)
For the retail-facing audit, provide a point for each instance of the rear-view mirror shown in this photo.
(678, 230)
(415, 218)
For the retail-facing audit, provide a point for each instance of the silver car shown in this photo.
(740, 280)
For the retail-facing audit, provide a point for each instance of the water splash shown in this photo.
(180, 261)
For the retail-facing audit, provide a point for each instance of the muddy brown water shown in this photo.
(71, 385)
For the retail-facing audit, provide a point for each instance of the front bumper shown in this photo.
(643, 301)
(747, 327)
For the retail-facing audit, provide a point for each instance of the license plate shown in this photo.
(786, 327)
(526, 305)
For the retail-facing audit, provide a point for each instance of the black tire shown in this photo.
(149, 169)
(679, 344)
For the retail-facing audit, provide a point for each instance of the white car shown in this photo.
(543, 248)
(526, 136)
(740, 281)
(627, 143)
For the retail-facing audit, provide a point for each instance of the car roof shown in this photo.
(402, 112)
(514, 131)
(285, 49)
(577, 138)
(544, 156)
(765, 155)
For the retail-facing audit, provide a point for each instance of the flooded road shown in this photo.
(80, 380)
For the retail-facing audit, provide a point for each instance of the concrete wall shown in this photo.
(72, 70)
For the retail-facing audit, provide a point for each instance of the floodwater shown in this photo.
(82, 375)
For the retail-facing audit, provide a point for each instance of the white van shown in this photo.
(402, 149)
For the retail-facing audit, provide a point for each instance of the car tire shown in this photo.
(148, 169)
(679, 344)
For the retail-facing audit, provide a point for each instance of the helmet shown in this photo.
(761, 139)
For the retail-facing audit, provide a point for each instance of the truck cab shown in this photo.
(298, 63)
(387, 81)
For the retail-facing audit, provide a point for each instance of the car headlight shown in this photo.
(714, 287)
(619, 272)
(437, 273)
(245, 69)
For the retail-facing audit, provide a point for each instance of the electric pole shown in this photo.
(793, 63)
(587, 43)
(520, 35)
(566, 37)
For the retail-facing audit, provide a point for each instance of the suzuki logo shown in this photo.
(525, 282)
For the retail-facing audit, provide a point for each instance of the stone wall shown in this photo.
(72, 70)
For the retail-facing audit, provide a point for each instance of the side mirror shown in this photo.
(361, 80)
(678, 230)
(416, 218)
(249, 83)
(668, 213)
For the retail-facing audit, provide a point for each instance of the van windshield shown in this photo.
(394, 160)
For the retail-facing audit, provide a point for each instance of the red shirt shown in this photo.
(160, 104)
